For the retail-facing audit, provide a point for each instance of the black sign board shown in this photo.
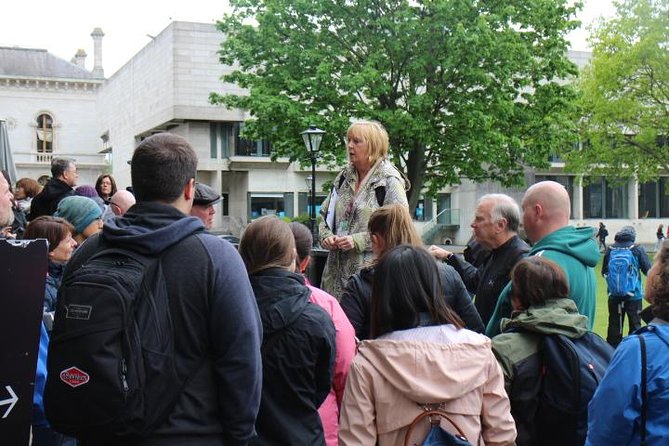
(23, 268)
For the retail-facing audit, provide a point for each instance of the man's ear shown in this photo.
(189, 190)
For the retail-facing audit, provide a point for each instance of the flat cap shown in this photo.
(205, 195)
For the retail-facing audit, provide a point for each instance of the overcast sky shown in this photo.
(63, 27)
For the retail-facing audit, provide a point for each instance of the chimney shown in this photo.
(79, 59)
(97, 36)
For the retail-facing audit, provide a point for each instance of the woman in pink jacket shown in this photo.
(344, 337)
(419, 355)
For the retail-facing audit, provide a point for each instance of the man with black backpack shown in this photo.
(157, 334)
(623, 262)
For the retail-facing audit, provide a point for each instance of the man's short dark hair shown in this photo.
(161, 167)
(59, 166)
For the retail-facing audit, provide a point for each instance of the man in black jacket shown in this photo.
(216, 324)
(64, 178)
(495, 226)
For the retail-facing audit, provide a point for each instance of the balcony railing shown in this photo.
(45, 158)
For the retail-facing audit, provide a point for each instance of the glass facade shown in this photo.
(654, 199)
(603, 199)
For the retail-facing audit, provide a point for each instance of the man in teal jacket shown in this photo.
(546, 208)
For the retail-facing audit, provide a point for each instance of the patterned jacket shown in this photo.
(351, 214)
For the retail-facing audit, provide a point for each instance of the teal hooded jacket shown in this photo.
(575, 251)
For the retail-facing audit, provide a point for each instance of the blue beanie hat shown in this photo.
(80, 211)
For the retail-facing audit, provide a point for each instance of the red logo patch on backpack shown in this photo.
(74, 377)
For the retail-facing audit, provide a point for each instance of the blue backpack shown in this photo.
(623, 276)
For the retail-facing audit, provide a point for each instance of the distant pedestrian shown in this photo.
(601, 236)
(660, 237)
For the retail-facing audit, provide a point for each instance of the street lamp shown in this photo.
(312, 140)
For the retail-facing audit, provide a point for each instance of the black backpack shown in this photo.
(111, 365)
(571, 370)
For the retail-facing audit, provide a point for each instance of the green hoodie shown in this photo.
(575, 251)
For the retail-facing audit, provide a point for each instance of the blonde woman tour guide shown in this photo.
(368, 182)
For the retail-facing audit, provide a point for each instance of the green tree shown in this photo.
(625, 95)
(466, 88)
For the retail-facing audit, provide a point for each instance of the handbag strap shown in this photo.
(644, 390)
(434, 413)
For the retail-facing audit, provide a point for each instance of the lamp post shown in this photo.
(312, 138)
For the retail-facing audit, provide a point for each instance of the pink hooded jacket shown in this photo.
(345, 342)
(435, 364)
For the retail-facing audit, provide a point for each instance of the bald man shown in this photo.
(119, 204)
(546, 208)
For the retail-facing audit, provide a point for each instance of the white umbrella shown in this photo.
(6, 159)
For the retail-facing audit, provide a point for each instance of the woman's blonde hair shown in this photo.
(267, 243)
(375, 135)
(394, 225)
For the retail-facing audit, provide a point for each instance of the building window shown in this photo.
(225, 140)
(44, 134)
(565, 180)
(261, 204)
(304, 205)
(601, 199)
(654, 199)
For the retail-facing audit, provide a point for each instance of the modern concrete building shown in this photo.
(58, 108)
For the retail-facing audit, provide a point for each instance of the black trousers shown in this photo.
(618, 308)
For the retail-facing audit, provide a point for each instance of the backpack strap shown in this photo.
(379, 191)
(644, 390)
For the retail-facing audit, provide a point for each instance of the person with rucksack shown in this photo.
(630, 404)
(421, 358)
(624, 261)
(551, 362)
(157, 334)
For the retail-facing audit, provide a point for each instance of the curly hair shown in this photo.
(657, 285)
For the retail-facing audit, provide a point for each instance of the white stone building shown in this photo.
(50, 108)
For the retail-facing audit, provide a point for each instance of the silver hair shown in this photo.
(504, 207)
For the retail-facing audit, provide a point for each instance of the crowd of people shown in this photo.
(396, 330)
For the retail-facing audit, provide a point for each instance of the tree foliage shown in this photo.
(625, 95)
(466, 88)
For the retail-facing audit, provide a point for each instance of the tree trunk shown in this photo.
(415, 172)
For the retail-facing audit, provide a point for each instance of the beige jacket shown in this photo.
(390, 375)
